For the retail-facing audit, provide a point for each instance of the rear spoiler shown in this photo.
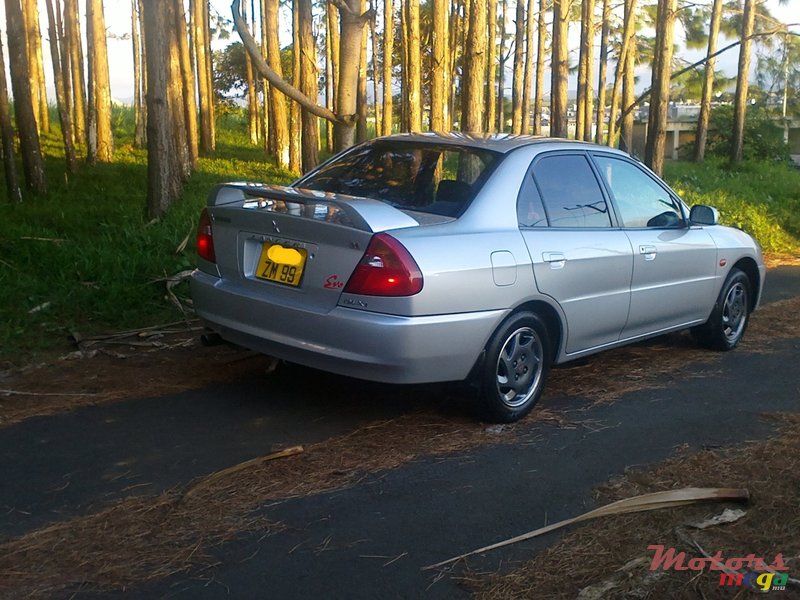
(365, 214)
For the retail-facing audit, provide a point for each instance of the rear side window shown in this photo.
(571, 193)
(530, 210)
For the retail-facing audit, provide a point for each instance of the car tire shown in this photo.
(515, 368)
(728, 321)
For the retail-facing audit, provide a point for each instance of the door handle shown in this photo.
(649, 252)
(556, 259)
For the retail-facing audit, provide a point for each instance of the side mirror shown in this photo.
(703, 215)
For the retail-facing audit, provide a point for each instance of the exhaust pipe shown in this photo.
(211, 339)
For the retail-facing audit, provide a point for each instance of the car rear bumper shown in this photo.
(367, 345)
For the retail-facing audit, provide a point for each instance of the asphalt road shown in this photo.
(55, 467)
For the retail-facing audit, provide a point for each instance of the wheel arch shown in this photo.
(750, 268)
(552, 319)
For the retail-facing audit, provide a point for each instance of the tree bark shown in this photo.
(138, 115)
(175, 96)
(308, 85)
(74, 41)
(99, 85)
(519, 69)
(491, 66)
(187, 79)
(583, 117)
(527, 90)
(209, 67)
(252, 97)
(164, 181)
(603, 74)
(621, 70)
(742, 81)
(414, 68)
(361, 92)
(538, 98)
(560, 69)
(375, 74)
(32, 163)
(280, 125)
(388, 63)
(659, 98)
(475, 67)
(36, 63)
(61, 98)
(501, 79)
(708, 84)
(588, 108)
(628, 98)
(204, 94)
(439, 91)
(7, 135)
(295, 124)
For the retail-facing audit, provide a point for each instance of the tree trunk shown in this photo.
(268, 139)
(7, 135)
(279, 113)
(560, 69)
(501, 79)
(252, 97)
(708, 84)
(583, 60)
(99, 83)
(475, 66)
(527, 90)
(295, 124)
(439, 67)
(659, 98)
(209, 68)
(66, 74)
(588, 107)
(455, 44)
(519, 69)
(626, 48)
(491, 67)
(742, 81)
(388, 60)
(138, 116)
(204, 94)
(187, 79)
(361, 93)
(176, 94)
(36, 63)
(164, 181)
(540, 52)
(375, 75)
(74, 41)
(414, 68)
(61, 98)
(628, 91)
(308, 85)
(601, 81)
(32, 163)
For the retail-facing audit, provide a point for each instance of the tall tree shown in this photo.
(540, 52)
(583, 67)
(61, 95)
(164, 178)
(560, 68)
(603, 73)
(388, 63)
(501, 78)
(139, 117)
(30, 12)
(659, 96)
(27, 130)
(742, 81)
(475, 67)
(628, 86)
(439, 91)
(530, 29)
(101, 142)
(204, 93)
(375, 71)
(708, 83)
(280, 125)
(187, 79)
(176, 93)
(519, 69)
(252, 93)
(622, 68)
(7, 135)
(588, 106)
(76, 59)
(414, 68)
(295, 124)
(308, 85)
(361, 92)
(491, 65)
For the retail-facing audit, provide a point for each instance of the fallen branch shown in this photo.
(646, 502)
(20, 393)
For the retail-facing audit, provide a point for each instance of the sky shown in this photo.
(118, 15)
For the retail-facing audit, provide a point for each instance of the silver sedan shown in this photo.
(425, 257)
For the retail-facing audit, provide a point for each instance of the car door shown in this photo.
(579, 257)
(674, 264)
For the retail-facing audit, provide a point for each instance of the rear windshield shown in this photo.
(430, 178)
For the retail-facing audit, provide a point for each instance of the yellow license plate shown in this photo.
(281, 265)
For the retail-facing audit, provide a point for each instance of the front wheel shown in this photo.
(515, 369)
(728, 321)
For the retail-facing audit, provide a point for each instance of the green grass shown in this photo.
(98, 266)
(760, 197)
(100, 272)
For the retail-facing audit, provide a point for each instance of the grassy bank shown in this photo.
(85, 258)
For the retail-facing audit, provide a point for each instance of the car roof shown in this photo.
(496, 142)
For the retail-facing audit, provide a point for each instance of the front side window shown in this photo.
(428, 178)
(641, 201)
(571, 193)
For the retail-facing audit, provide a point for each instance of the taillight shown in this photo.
(205, 238)
(387, 269)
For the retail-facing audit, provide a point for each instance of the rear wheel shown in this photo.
(517, 363)
(728, 321)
